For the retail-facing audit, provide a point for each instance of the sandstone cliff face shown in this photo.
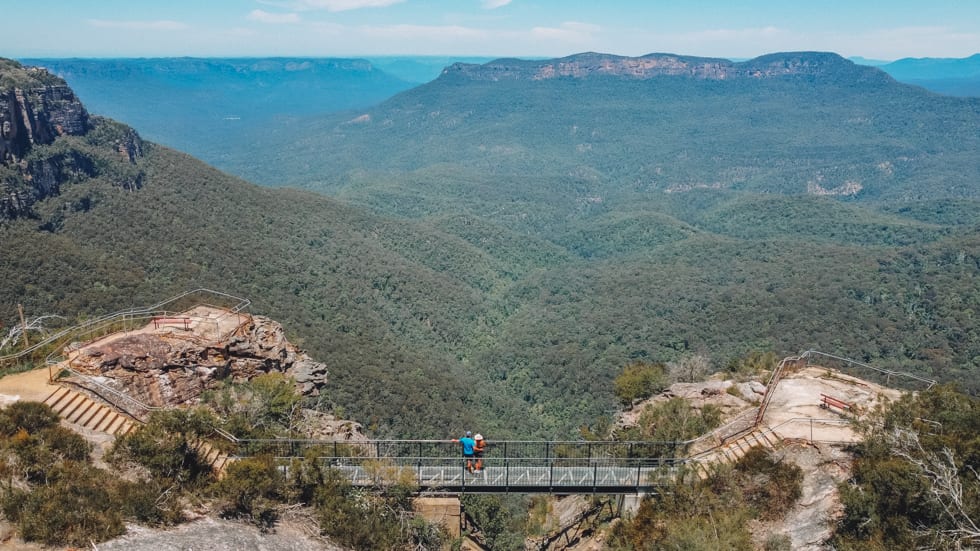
(36, 108)
(36, 116)
(170, 369)
(803, 64)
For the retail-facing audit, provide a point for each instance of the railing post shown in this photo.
(595, 476)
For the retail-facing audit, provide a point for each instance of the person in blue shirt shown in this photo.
(468, 445)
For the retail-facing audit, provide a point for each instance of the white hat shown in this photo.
(478, 437)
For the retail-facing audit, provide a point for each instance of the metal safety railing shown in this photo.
(887, 374)
(547, 466)
(125, 320)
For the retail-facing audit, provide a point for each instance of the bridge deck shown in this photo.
(513, 466)
(523, 479)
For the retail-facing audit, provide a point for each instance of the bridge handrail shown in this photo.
(527, 450)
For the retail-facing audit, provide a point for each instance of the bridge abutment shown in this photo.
(445, 511)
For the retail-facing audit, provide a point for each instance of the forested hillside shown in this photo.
(504, 285)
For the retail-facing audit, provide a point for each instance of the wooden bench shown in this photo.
(159, 322)
(827, 402)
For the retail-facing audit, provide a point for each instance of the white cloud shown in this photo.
(923, 41)
(494, 4)
(569, 31)
(428, 32)
(720, 35)
(740, 42)
(160, 25)
(342, 5)
(273, 18)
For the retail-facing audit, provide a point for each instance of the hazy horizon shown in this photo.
(486, 28)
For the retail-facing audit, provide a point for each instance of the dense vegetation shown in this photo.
(915, 482)
(51, 490)
(715, 513)
(503, 286)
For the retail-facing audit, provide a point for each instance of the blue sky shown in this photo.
(873, 29)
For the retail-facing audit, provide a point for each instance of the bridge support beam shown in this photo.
(630, 503)
(445, 511)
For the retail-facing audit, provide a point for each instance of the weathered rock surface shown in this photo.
(698, 395)
(810, 522)
(217, 535)
(318, 425)
(169, 369)
(36, 114)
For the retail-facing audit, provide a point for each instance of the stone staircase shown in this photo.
(212, 456)
(81, 410)
(77, 408)
(733, 450)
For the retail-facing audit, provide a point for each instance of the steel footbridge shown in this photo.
(554, 467)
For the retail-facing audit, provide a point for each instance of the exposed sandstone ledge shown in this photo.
(171, 368)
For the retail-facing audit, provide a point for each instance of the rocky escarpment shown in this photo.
(36, 112)
(169, 368)
(801, 64)
(36, 109)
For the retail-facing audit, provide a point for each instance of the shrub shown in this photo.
(777, 542)
(163, 447)
(770, 486)
(251, 489)
(148, 502)
(639, 380)
(30, 416)
(75, 509)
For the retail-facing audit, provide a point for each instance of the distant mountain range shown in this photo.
(420, 69)
(509, 236)
(951, 76)
(205, 106)
(800, 123)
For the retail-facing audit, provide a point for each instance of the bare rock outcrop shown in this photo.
(319, 425)
(170, 368)
(714, 392)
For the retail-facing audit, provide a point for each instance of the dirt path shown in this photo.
(29, 385)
